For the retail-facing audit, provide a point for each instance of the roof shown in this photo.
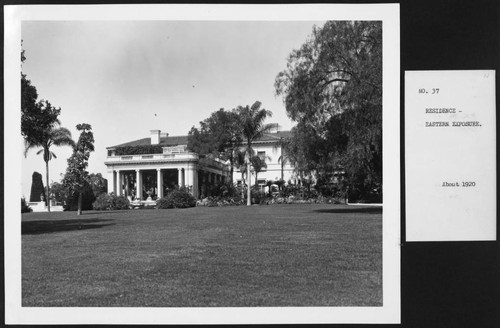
(183, 140)
(164, 141)
(274, 136)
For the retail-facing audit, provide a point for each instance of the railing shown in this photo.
(186, 155)
(175, 156)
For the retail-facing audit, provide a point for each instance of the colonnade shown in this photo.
(190, 177)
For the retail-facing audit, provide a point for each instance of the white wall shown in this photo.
(273, 171)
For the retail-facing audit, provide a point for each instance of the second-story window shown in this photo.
(262, 155)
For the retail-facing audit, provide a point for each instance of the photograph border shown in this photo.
(388, 313)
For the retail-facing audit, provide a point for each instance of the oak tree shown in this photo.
(219, 136)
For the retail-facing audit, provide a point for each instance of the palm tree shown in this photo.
(253, 127)
(285, 157)
(52, 136)
(240, 162)
(258, 166)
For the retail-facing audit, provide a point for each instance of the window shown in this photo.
(262, 155)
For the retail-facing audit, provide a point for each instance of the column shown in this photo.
(118, 186)
(111, 181)
(120, 183)
(159, 183)
(180, 178)
(138, 184)
(187, 177)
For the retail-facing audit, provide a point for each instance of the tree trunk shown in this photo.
(249, 193)
(80, 196)
(47, 196)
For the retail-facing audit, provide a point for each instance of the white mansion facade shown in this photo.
(148, 168)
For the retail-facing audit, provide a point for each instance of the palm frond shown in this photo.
(62, 137)
(29, 145)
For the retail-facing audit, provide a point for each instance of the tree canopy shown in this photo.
(251, 120)
(218, 135)
(38, 117)
(258, 165)
(332, 88)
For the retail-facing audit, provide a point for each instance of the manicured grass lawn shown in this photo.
(282, 255)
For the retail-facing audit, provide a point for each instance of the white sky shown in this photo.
(116, 75)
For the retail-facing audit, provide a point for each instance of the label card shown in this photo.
(450, 155)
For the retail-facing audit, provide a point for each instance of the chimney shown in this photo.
(155, 137)
(275, 128)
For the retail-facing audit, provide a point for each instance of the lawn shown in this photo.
(280, 255)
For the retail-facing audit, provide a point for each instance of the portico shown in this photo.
(152, 175)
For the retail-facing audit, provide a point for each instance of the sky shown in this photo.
(125, 78)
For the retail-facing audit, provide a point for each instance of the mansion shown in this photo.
(148, 168)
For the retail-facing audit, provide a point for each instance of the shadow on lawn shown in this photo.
(48, 226)
(353, 209)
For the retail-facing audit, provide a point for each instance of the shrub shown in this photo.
(220, 201)
(178, 198)
(226, 190)
(25, 208)
(105, 202)
(258, 196)
(365, 194)
(121, 203)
